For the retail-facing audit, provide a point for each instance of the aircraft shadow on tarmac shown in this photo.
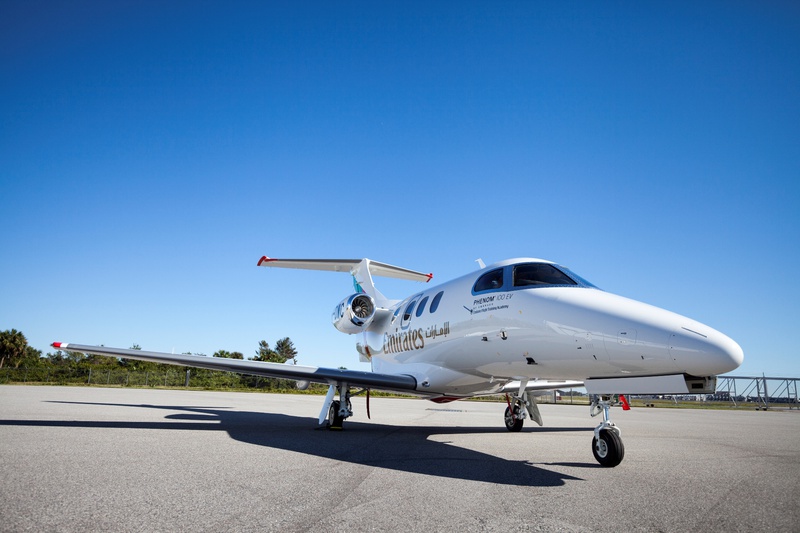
(401, 448)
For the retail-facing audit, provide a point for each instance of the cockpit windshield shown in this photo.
(581, 281)
(530, 275)
(527, 276)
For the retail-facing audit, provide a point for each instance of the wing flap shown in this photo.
(256, 368)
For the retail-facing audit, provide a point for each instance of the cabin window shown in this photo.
(540, 274)
(491, 281)
(421, 308)
(435, 302)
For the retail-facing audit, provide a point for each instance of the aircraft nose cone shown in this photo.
(733, 352)
(702, 351)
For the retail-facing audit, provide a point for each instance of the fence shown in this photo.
(761, 391)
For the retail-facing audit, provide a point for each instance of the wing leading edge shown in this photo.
(256, 368)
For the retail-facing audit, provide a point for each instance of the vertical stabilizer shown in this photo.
(362, 279)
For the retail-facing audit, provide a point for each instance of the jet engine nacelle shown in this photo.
(354, 314)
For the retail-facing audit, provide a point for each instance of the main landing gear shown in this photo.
(336, 414)
(516, 410)
(336, 411)
(607, 444)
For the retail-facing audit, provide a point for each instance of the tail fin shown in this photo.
(362, 271)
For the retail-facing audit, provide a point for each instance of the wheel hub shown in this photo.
(601, 447)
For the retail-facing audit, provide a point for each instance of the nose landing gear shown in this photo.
(607, 446)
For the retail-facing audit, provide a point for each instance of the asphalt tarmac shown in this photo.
(94, 459)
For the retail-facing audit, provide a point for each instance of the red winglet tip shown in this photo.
(264, 259)
(57, 344)
(430, 277)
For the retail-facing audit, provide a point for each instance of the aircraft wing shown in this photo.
(257, 368)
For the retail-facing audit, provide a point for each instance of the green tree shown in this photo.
(56, 358)
(229, 355)
(74, 358)
(286, 350)
(32, 357)
(266, 354)
(12, 347)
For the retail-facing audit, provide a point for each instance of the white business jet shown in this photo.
(516, 327)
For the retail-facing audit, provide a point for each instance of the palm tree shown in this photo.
(12, 347)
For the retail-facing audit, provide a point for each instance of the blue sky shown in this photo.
(150, 154)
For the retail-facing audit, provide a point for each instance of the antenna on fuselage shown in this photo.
(480, 262)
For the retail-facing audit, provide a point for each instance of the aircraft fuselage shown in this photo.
(474, 341)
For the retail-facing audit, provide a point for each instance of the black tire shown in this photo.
(608, 450)
(513, 423)
(334, 419)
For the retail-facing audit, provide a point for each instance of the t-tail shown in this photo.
(355, 313)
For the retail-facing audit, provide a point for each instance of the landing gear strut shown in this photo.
(516, 411)
(607, 444)
(337, 410)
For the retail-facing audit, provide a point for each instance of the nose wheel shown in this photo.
(607, 446)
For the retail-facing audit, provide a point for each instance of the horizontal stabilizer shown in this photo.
(347, 265)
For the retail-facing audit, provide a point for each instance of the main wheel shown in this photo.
(513, 423)
(334, 418)
(608, 449)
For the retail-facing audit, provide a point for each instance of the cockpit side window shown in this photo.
(540, 274)
(409, 311)
(491, 281)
